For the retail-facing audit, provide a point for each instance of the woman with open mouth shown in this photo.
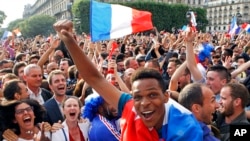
(25, 119)
(74, 129)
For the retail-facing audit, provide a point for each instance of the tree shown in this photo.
(164, 15)
(35, 25)
(2, 17)
(81, 14)
(14, 24)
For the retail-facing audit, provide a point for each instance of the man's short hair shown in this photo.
(53, 73)
(29, 67)
(228, 52)
(175, 60)
(70, 63)
(148, 73)
(120, 57)
(140, 58)
(238, 90)
(6, 70)
(223, 72)
(127, 61)
(34, 56)
(191, 94)
(10, 88)
(3, 62)
(20, 56)
(81, 43)
(71, 72)
(17, 66)
(8, 76)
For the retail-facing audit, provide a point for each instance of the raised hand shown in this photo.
(54, 42)
(9, 135)
(190, 36)
(47, 126)
(56, 126)
(64, 30)
(42, 137)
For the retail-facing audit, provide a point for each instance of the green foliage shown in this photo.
(1, 32)
(35, 25)
(164, 16)
(2, 17)
(14, 24)
(39, 24)
(201, 20)
(81, 16)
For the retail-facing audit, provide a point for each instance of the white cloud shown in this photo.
(13, 9)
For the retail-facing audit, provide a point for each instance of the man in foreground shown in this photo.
(148, 114)
(200, 100)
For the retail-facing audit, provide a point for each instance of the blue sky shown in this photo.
(13, 9)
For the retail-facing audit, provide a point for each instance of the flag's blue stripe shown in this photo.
(237, 30)
(5, 34)
(188, 129)
(184, 27)
(233, 24)
(100, 21)
(248, 30)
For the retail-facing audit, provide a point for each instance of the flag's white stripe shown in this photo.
(120, 21)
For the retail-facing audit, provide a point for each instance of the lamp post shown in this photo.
(77, 22)
(69, 9)
(239, 18)
(188, 15)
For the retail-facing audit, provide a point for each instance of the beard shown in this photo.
(109, 115)
(229, 110)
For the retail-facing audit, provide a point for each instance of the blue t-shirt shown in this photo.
(103, 130)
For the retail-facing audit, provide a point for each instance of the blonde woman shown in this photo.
(73, 129)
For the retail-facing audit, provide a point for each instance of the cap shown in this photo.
(217, 47)
(105, 64)
(140, 58)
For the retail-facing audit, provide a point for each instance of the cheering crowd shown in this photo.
(149, 86)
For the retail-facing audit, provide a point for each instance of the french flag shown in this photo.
(246, 27)
(110, 21)
(17, 32)
(6, 34)
(184, 28)
(193, 21)
(233, 27)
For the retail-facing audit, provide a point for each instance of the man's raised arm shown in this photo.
(86, 68)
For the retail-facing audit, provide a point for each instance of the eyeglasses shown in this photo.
(21, 111)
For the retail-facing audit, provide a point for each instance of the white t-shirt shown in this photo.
(47, 134)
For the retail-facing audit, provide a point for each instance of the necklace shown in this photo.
(29, 132)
